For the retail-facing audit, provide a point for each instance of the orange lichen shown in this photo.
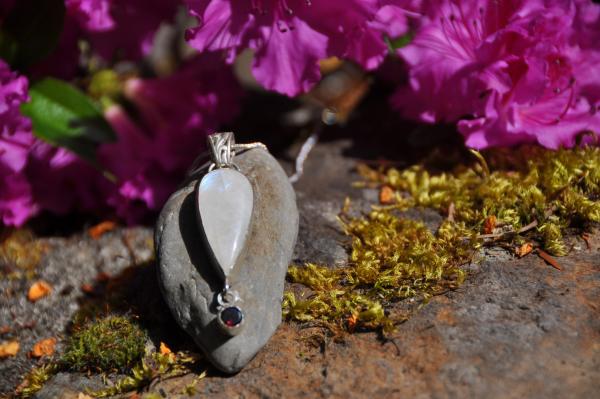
(9, 349)
(44, 347)
(38, 290)
(164, 349)
(102, 228)
(489, 224)
(386, 195)
(524, 249)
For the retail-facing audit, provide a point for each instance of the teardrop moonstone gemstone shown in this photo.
(225, 202)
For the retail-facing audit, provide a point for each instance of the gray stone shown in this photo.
(67, 263)
(69, 385)
(190, 284)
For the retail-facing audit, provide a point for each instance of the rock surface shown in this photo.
(516, 328)
(73, 267)
(188, 279)
(69, 386)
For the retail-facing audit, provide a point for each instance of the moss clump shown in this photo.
(154, 366)
(536, 191)
(533, 196)
(107, 344)
(391, 259)
(20, 253)
(35, 380)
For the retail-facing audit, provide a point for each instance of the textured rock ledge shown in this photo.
(517, 328)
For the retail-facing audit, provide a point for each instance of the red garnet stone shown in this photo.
(231, 316)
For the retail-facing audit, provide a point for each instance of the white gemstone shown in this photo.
(225, 202)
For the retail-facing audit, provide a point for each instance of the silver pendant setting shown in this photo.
(230, 316)
(224, 199)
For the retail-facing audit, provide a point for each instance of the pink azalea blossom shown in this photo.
(35, 176)
(61, 182)
(92, 15)
(148, 161)
(122, 28)
(63, 62)
(152, 155)
(116, 29)
(16, 202)
(509, 72)
(140, 181)
(289, 37)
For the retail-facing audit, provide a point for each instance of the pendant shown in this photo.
(225, 201)
(224, 241)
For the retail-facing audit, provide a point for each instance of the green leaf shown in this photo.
(398, 42)
(64, 116)
(31, 31)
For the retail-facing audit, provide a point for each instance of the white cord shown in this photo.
(307, 146)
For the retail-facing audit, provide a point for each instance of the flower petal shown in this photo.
(220, 27)
(288, 62)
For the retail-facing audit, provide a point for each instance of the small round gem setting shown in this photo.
(231, 316)
(231, 319)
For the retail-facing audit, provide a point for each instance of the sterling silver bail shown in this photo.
(221, 150)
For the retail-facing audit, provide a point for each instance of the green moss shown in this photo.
(107, 344)
(391, 259)
(190, 389)
(507, 198)
(35, 380)
(147, 369)
(20, 253)
(153, 367)
(552, 189)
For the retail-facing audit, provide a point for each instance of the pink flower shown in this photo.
(544, 105)
(16, 202)
(63, 62)
(92, 15)
(151, 155)
(61, 182)
(149, 160)
(510, 72)
(34, 175)
(122, 28)
(289, 37)
(141, 183)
